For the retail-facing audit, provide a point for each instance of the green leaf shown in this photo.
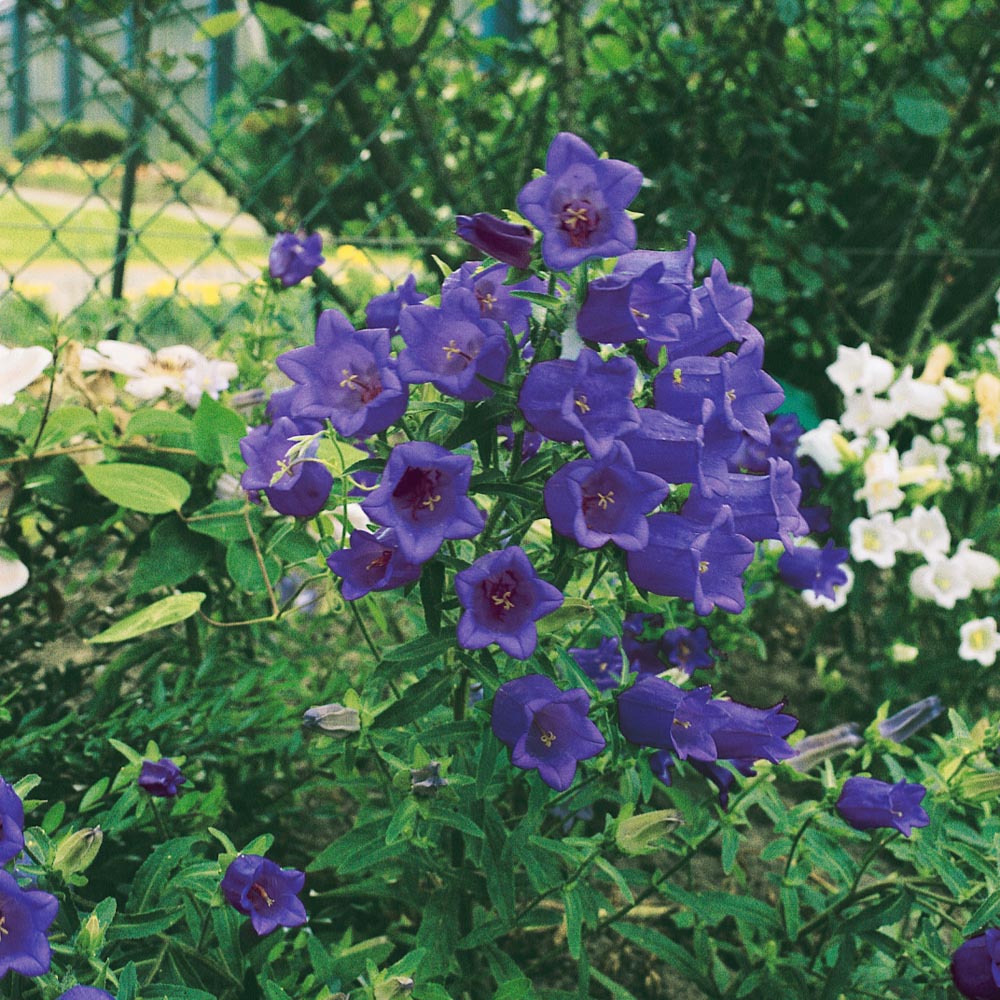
(169, 611)
(128, 983)
(154, 874)
(574, 920)
(212, 423)
(226, 520)
(136, 926)
(661, 947)
(218, 25)
(431, 590)
(175, 554)
(243, 567)
(983, 915)
(145, 488)
(420, 651)
(169, 991)
(151, 423)
(920, 112)
(66, 422)
(417, 700)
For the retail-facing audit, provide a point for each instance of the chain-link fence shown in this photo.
(156, 145)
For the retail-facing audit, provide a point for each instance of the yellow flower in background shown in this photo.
(350, 255)
(938, 362)
(987, 391)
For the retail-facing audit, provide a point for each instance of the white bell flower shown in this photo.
(980, 641)
(826, 446)
(876, 540)
(926, 461)
(13, 573)
(942, 581)
(881, 490)
(865, 412)
(926, 531)
(981, 569)
(19, 367)
(917, 399)
(858, 370)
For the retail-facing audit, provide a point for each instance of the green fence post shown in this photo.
(221, 62)
(19, 71)
(70, 71)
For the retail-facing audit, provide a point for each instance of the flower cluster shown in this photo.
(917, 451)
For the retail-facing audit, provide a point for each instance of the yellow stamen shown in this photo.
(350, 380)
(285, 468)
(453, 349)
(703, 566)
(262, 892)
(548, 738)
(486, 303)
(3, 929)
(581, 401)
(575, 215)
(730, 394)
(640, 315)
(977, 641)
(603, 499)
(503, 601)
(430, 501)
(678, 375)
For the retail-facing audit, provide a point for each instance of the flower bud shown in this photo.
(91, 936)
(901, 726)
(646, 832)
(904, 653)
(979, 787)
(812, 750)
(77, 851)
(425, 781)
(937, 363)
(505, 241)
(336, 720)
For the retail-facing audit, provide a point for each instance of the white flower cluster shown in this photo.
(179, 369)
(899, 487)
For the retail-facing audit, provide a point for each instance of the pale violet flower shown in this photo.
(876, 540)
(19, 367)
(840, 592)
(980, 568)
(858, 370)
(179, 369)
(881, 490)
(13, 573)
(926, 531)
(826, 446)
(917, 399)
(925, 461)
(941, 581)
(980, 641)
(864, 412)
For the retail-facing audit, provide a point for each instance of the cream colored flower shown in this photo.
(980, 641)
(19, 367)
(13, 573)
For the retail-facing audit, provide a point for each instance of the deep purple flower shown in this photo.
(742, 732)
(603, 500)
(645, 296)
(85, 993)
(688, 648)
(25, 916)
(763, 506)
(901, 726)
(975, 966)
(509, 242)
(587, 399)
(292, 258)
(579, 204)
(643, 654)
(869, 804)
(808, 568)
(449, 347)
(493, 296)
(503, 597)
(531, 441)
(161, 778)
(423, 495)
(11, 822)
(701, 563)
(280, 403)
(655, 713)
(303, 487)
(267, 894)
(602, 665)
(346, 377)
(545, 728)
(372, 562)
(682, 452)
(383, 311)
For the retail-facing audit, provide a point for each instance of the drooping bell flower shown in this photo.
(604, 499)
(603, 664)
(509, 242)
(870, 804)
(545, 729)
(493, 296)
(293, 257)
(579, 204)
(161, 778)
(700, 563)
(686, 648)
(267, 894)
(655, 713)
(502, 597)
(372, 563)
(346, 377)
(423, 495)
(743, 732)
(643, 655)
(383, 311)
(25, 916)
(587, 399)
(449, 347)
(302, 488)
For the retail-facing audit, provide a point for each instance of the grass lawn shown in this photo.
(52, 233)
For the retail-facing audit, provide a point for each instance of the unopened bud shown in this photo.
(813, 750)
(397, 986)
(979, 787)
(76, 852)
(91, 936)
(646, 832)
(937, 363)
(904, 653)
(901, 726)
(335, 720)
(427, 780)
